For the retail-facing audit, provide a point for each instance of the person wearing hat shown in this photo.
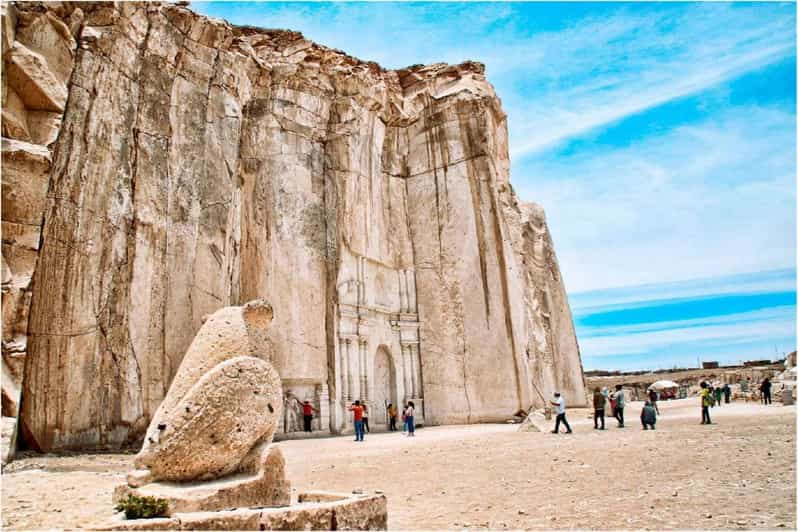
(559, 402)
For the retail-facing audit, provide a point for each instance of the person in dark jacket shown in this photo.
(598, 408)
(727, 393)
(392, 417)
(718, 391)
(648, 416)
(765, 389)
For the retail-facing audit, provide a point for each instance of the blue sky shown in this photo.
(660, 138)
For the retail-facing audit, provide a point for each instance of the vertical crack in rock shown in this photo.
(475, 185)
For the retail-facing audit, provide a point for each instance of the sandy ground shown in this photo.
(737, 473)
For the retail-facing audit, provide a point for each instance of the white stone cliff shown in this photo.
(200, 165)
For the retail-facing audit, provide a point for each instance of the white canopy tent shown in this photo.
(663, 385)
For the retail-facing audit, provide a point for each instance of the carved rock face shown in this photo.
(224, 402)
(199, 165)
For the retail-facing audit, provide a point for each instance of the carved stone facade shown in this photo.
(198, 165)
(377, 352)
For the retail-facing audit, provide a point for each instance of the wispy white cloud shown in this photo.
(708, 199)
(739, 329)
(601, 71)
(630, 296)
(619, 333)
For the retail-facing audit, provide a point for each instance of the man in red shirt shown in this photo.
(307, 411)
(357, 410)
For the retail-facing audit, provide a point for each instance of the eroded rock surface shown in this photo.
(38, 57)
(201, 165)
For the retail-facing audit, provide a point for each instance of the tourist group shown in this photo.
(710, 396)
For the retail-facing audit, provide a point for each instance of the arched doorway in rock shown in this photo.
(384, 387)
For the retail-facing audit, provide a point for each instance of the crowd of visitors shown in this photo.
(360, 417)
(709, 395)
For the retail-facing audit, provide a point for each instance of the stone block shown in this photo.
(30, 76)
(240, 519)
(313, 516)
(48, 36)
(362, 513)
(26, 174)
(44, 126)
(15, 117)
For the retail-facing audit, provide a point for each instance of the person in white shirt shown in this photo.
(559, 402)
(410, 413)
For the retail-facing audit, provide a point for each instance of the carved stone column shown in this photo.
(361, 278)
(410, 276)
(414, 355)
(402, 293)
(364, 379)
(350, 371)
(408, 371)
(413, 371)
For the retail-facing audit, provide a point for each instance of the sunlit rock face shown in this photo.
(200, 165)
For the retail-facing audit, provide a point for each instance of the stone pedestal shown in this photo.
(266, 488)
(313, 511)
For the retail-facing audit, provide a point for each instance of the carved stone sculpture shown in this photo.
(208, 445)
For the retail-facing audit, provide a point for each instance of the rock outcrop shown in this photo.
(201, 165)
(38, 56)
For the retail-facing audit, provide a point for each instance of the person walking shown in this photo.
(559, 402)
(727, 393)
(653, 396)
(391, 417)
(744, 387)
(404, 419)
(706, 401)
(598, 408)
(307, 414)
(648, 416)
(620, 404)
(718, 395)
(765, 389)
(357, 411)
(366, 418)
(410, 414)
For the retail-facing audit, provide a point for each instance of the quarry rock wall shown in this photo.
(160, 165)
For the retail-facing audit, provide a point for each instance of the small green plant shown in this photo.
(136, 507)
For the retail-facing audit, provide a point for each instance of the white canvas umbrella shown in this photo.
(663, 385)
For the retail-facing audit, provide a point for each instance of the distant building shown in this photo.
(709, 365)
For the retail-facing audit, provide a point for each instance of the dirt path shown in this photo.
(736, 473)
